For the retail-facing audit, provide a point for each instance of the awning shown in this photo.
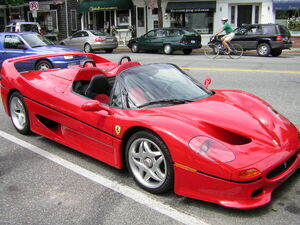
(191, 7)
(286, 4)
(104, 5)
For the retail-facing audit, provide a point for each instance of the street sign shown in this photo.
(34, 5)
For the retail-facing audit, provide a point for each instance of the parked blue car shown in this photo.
(30, 43)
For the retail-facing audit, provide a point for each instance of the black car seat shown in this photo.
(98, 89)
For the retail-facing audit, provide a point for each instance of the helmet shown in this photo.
(224, 19)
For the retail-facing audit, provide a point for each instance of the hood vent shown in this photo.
(226, 135)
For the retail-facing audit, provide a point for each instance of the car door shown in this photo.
(146, 41)
(247, 37)
(158, 40)
(75, 40)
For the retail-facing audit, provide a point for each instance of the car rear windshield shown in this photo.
(36, 40)
(283, 30)
(29, 27)
(99, 33)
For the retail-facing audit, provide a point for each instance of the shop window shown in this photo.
(201, 22)
(123, 17)
(141, 17)
(256, 20)
(155, 24)
(155, 11)
(73, 19)
(232, 18)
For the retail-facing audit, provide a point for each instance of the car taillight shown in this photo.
(17, 30)
(182, 41)
(41, 32)
(99, 39)
(211, 149)
(278, 38)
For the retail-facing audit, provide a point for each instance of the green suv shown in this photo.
(167, 40)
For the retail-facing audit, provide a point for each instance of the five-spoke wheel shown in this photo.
(149, 162)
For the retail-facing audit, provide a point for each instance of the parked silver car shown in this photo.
(91, 40)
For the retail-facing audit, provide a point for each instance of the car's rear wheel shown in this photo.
(18, 113)
(135, 48)
(263, 49)
(88, 48)
(168, 49)
(109, 50)
(276, 52)
(43, 65)
(149, 162)
(187, 51)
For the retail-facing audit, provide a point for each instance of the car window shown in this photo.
(36, 40)
(174, 33)
(77, 34)
(160, 33)
(240, 31)
(29, 27)
(254, 30)
(13, 42)
(84, 34)
(283, 30)
(116, 96)
(99, 33)
(268, 30)
(151, 34)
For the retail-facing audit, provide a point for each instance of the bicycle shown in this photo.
(215, 47)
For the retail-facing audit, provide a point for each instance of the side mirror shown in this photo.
(94, 106)
(207, 81)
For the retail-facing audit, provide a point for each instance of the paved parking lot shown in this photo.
(42, 182)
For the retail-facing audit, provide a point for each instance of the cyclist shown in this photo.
(229, 34)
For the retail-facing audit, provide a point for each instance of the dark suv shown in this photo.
(266, 39)
(167, 40)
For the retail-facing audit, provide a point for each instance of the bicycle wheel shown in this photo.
(237, 51)
(211, 51)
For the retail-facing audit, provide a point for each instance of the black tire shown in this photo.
(152, 170)
(62, 43)
(135, 48)
(211, 51)
(187, 51)
(276, 52)
(263, 49)
(88, 48)
(109, 50)
(43, 65)
(237, 51)
(18, 113)
(168, 49)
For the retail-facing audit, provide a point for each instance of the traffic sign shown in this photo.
(34, 5)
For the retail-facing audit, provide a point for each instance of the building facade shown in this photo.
(127, 18)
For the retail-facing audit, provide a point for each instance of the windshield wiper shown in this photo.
(165, 101)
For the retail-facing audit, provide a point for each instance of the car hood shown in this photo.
(246, 124)
(55, 48)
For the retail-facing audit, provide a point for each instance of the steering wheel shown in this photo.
(83, 63)
(124, 57)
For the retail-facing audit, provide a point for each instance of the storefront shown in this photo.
(112, 16)
(3, 20)
(195, 15)
(287, 13)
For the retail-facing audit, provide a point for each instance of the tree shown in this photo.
(160, 15)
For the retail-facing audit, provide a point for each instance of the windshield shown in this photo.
(36, 40)
(160, 85)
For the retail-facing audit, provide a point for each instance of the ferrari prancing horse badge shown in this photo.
(118, 129)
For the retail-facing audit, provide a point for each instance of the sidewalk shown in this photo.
(292, 51)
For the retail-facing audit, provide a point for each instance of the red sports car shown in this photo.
(170, 131)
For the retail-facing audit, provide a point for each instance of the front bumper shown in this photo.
(234, 194)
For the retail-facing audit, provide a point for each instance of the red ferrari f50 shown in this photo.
(227, 147)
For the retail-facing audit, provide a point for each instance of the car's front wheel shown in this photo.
(276, 52)
(168, 49)
(135, 48)
(43, 65)
(263, 49)
(149, 162)
(18, 113)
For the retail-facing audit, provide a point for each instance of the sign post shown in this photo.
(34, 6)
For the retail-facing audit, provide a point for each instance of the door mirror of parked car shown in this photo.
(207, 81)
(94, 106)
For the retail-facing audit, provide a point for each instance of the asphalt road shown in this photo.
(42, 182)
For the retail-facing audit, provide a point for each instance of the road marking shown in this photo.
(241, 70)
(113, 185)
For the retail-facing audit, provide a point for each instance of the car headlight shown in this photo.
(68, 57)
(211, 149)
